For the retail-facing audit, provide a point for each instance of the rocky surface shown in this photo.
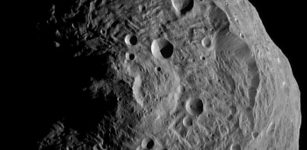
(170, 74)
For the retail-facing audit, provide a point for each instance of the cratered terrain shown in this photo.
(168, 75)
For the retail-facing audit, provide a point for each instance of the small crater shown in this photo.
(148, 143)
(255, 134)
(162, 48)
(183, 6)
(158, 69)
(195, 106)
(187, 121)
(142, 8)
(187, 6)
(179, 128)
(167, 49)
(235, 147)
(202, 57)
(130, 56)
(131, 40)
(206, 42)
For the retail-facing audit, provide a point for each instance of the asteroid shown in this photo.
(166, 75)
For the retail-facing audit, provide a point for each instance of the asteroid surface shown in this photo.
(169, 75)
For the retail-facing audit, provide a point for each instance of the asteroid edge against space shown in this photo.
(170, 75)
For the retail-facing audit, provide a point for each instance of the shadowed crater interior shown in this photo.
(167, 49)
(196, 106)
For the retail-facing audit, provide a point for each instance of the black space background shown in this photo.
(40, 88)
